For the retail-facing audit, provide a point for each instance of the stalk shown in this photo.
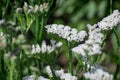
(117, 71)
(71, 60)
(41, 28)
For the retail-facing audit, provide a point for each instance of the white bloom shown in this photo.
(96, 49)
(71, 34)
(98, 74)
(81, 35)
(64, 76)
(31, 77)
(34, 9)
(33, 49)
(80, 49)
(68, 76)
(44, 47)
(50, 49)
(59, 44)
(110, 21)
(92, 45)
(42, 78)
(38, 48)
(48, 70)
(59, 73)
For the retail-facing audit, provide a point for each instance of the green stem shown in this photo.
(11, 69)
(117, 71)
(117, 37)
(110, 6)
(70, 60)
(37, 28)
(41, 29)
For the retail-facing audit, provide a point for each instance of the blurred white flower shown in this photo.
(38, 49)
(59, 73)
(45, 48)
(48, 71)
(42, 78)
(36, 8)
(31, 77)
(59, 44)
(98, 74)
(64, 76)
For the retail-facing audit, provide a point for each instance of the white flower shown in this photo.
(81, 35)
(92, 45)
(64, 76)
(48, 70)
(68, 76)
(34, 9)
(33, 49)
(71, 34)
(80, 49)
(38, 49)
(59, 44)
(44, 47)
(96, 49)
(42, 78)
(98, 74)
(59, 73)
(31, 77)
(110, 21)
(50, 49)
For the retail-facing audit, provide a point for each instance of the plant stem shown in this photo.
(37, 28)
(41, 29)
(70, 60)
(110, 6)
(11, 69)
(117, 71)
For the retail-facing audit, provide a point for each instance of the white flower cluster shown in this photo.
(64, 76)
(110, 21)
(98, 74)
(2, 40)
(45, 48)
(92, 45)
(42, 78)
(48, 71)
(95, 36)
(32, 77)
(71, 34)
(35, 9)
